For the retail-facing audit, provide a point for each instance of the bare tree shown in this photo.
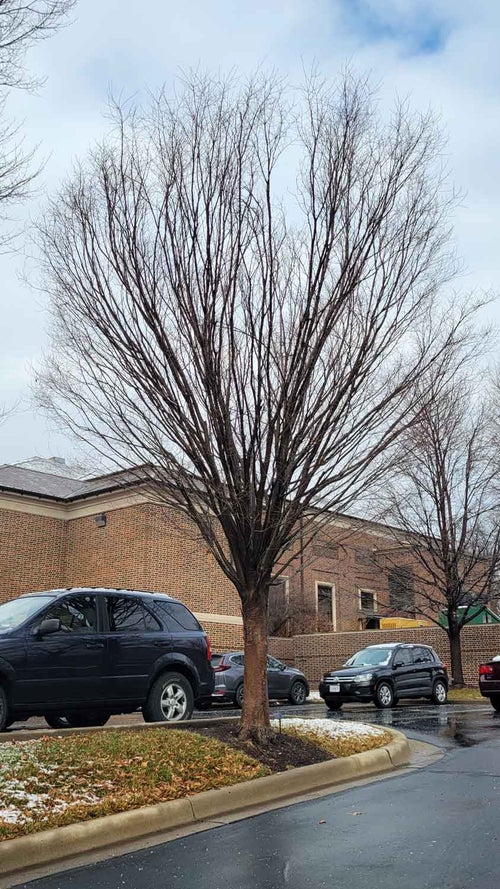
(260, 355)
(22, 23)
(445, 499)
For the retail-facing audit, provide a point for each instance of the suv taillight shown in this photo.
(209, 650)
(445, 667)
(222, 668)
(485, 670)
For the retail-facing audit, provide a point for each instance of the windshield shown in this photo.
(369, 657)
(15, 613)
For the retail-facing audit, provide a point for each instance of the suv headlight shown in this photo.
(363, 677)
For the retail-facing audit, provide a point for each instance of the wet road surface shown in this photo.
(433, 828)
(452, 725)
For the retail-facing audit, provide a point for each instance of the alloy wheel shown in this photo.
(173, 702)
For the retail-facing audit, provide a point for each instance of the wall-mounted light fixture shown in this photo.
(101, 520)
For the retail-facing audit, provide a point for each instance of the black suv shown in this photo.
(76, 656)
(384, 674)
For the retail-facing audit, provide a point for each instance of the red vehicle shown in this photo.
(489, 682)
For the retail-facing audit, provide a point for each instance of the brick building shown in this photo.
(60, 529)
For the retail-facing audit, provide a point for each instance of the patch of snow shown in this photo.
(330, 727)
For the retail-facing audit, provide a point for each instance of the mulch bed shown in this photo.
(285, 752)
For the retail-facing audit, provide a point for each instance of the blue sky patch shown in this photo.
(417, 30)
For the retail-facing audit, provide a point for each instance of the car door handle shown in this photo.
(94, 645)
(162, 644)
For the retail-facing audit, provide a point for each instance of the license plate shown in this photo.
(335, 688)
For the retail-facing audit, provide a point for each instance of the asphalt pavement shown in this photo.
(431, 828)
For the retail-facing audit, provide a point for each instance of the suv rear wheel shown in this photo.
(384, 696)
(439, 692)
(170, 699)
(238, 697)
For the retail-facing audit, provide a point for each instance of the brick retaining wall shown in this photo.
(316, 653)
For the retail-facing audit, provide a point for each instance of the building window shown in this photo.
(401, 589)
(367, 600)
(326, 605)
(278, 612)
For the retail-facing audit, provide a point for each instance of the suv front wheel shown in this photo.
(384, 696)
(170, 699)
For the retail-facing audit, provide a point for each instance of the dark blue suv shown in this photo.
(77, 656)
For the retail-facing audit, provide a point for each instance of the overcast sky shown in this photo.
(440, 53)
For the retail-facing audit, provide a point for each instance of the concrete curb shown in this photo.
(61, 843)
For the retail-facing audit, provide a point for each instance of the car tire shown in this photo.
(5, 720)
(238, 696)
(332, 704)
(384, 696)
(170, 699)
(439, 692)
(85, 719)
(298, 692)
(495, 702)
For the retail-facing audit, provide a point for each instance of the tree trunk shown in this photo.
(255, 724)
(456, 654)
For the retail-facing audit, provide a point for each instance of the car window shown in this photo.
(238, 659)
(176, 617)
(126, 614)
(403, 656)
(422, 656)
(78, 614)
(16, 612)
(370, 657)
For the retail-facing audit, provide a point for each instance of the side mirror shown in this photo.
(47, 627)
(397, 664)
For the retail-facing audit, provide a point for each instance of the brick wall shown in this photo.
(349, 560)
(147, 547)
(316, 653)
(32, 553)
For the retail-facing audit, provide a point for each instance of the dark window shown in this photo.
(78, 614)
(401, 590)
(367, 600)
(127, 615)
(176, 617)
(238, 659)
(403, 656)
(152, 625)
(422, 656)
(277, 608)
(325, 601)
